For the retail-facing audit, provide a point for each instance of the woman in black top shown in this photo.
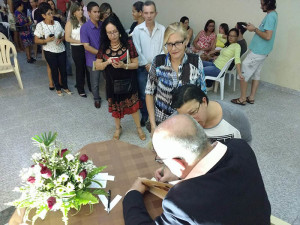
(137, 11)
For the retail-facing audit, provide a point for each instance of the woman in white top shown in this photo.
(72, 35)
(50, 34)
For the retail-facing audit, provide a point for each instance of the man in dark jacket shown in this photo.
(217, 183)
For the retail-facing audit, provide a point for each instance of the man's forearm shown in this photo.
(91, 49)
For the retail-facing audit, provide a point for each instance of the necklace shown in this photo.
(49, 29)
(116, 47)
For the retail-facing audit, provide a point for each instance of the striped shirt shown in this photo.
(163, 80)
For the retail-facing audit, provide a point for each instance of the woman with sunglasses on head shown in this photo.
(169, 71)
(116, 49)
(72, 29)
(231, 49)
(50, 34)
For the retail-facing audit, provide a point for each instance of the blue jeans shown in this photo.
(95, 82)
(142, 77)
(210, 70)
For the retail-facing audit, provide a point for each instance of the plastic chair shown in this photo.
(2, 36)
(7, 50)
(232, 72)
(220, 78)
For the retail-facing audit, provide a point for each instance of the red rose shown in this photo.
(84, 158)
(51, 202)
(31, 179)
(83, 174)
(62, 152)
(46, 171)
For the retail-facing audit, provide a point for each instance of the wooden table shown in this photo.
(126, 162)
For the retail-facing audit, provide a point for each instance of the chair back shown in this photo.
(6, 48)
(224, 69)
(2, 36)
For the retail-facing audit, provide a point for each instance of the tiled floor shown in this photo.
(275, 119)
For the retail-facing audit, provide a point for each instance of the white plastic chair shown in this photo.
(232, 72)
(6, 48)
(220, 78)
(2, 36)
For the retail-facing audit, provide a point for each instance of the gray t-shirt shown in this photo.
(234, 124)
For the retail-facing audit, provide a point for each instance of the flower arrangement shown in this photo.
(58, 180)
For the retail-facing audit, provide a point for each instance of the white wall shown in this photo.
(280, 68)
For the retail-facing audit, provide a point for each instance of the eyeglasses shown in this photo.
(177, 45)
(112, 32)
(196, 111)
(161, 160)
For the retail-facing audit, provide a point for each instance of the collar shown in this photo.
(209, 161)
(92, 26)
(143, 26)
(168, 60)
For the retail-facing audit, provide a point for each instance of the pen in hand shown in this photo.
(162, 170)
(108, 200)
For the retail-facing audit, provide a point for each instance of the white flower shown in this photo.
(60, 191)
(63, 178)
(69, 157)
(81, 186)
(37, 156)
(78, 179)
(70, 187)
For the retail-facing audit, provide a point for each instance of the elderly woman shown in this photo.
(205, 39)
(116, 49)
(169, 71)
(50, 34)
(72, 35)
(232, 49)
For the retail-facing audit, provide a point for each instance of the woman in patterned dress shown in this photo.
(23, 25)
(112, 57)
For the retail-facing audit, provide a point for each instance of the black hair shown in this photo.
(183, 19)
(207, 23)
(78, 1)
(186, 93)
(90, 5)
(44, 7)
(237, 33)
(114, 20)
(271, 4)
(103, 8)
(240, 27)
(225, 28)
(138, 6)
(17, 4)
(148, 3)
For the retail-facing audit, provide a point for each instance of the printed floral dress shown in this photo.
(121, 104)
(26, 36)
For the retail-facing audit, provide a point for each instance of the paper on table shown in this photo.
(113, 203)
(102, 178)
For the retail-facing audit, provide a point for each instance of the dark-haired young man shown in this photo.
(90, 37)
(220, 120)
(260, 47)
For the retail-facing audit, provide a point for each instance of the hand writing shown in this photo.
(164, 174)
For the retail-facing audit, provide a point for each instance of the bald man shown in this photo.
(216, 184)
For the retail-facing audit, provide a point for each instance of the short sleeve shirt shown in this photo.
(61, 4)
(44, 30)
(259, 45)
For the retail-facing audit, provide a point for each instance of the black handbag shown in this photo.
(122, 86)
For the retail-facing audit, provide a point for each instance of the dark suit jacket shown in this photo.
(231, 193)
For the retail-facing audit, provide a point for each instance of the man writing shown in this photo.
(218, 184)
(148, 41)
(90, 37)
(260, 47)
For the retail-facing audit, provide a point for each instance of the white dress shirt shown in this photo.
(148, 46)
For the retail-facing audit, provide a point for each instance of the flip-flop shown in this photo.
(249, 101)
(238, 102)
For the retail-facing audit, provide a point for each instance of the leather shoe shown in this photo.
(97, 104)
(143, 121)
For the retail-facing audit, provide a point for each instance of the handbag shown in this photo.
(123, 86)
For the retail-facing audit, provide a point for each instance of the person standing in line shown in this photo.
(90, 37)
(148, 39)
(105, 11)
(137, 15)
(260, 47)
(72, 29)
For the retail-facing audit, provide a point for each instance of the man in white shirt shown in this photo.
(148, 40)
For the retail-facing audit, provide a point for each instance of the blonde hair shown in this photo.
(172, 29)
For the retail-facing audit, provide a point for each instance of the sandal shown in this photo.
(249, 100)
(59, 93)
(238, 102)
(117, 134)
(67, 91)
(141, 133)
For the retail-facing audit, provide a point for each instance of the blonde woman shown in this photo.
(169, 71)
(72, 35)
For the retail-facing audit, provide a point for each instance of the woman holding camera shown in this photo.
(118, 57)
(50, 34)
